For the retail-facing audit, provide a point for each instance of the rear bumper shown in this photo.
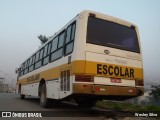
(104, 90)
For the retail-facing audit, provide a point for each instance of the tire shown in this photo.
(22, 96)
(44, 101)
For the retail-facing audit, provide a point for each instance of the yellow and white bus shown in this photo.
(93, 57)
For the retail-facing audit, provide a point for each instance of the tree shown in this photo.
(43, 39)
(155, 91)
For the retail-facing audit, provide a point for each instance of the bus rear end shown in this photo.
(113, 67)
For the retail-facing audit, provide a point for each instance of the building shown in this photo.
(3, 87)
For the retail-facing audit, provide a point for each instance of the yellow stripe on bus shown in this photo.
(87, 67)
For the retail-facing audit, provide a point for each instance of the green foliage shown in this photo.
(125, 106)
(152, 108)
(155, 92)
(43, 39)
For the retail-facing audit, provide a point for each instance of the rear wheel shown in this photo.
(44, 101)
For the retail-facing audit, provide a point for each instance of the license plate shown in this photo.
(116, 80)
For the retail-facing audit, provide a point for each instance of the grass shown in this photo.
(125, 106)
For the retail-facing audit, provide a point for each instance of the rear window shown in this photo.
(106, 33)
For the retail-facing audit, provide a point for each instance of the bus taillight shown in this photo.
(139, 83)
(84, 78)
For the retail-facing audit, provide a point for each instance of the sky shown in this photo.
(21, 21)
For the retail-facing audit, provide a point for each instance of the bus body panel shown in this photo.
(30, 89)
(113, 66)
(53, 89)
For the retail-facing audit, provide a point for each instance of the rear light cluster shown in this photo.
(139, 83)
(84, 78)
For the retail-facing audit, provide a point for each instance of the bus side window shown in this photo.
(26, 67)
(21, 73)
(30, 61)
(68, 35)
(61, 39)
(39, 56)
(70, 39)
(22, 69)
(31, 68)
(29, 64)
(47, 50)
(54, 44)
(57, 53)
(73, 31)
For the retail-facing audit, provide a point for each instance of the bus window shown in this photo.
(37, 56)
(30, 61)
(25, 64)
(22, 68)
(73, 31)
(41, 54)
(70, 39)
(61, 40)
(56, 54)
(47, 50)
(68, 36)
(106, 33)
(69, 48)
(54, 44)
(39, 59)
(32, 64)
